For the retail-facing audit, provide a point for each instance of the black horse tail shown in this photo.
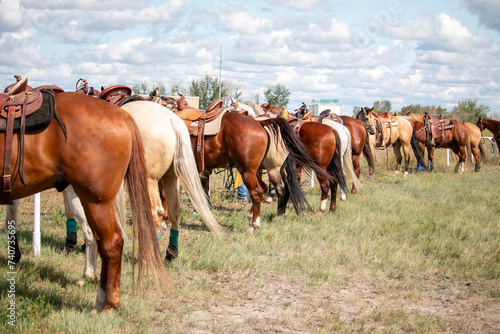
(335, 165)
(367, 152)
(296, 150)
(416, 150)
(293, 190)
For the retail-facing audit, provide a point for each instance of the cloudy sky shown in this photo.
(430, 52)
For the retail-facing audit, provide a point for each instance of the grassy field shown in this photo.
(416, 254)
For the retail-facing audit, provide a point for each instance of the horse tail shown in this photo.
(148, 252)
(187, 172)
(335, 165)
(469, 150)
(482, 153)
(348, 166)
(296, 150)
(416, 150)
(293, 190)
(367, 152)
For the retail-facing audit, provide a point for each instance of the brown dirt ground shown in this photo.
(277, 303)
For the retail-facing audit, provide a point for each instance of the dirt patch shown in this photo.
(276, 303)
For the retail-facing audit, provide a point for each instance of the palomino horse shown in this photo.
(88, 159)
(492, 125)
(252, 144)
(451, 134)
(169, 158)
(346, 146)
(393, 131)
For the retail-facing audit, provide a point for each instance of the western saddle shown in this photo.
(16, 103)
(438, 128)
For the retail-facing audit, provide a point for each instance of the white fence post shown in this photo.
(36, 225)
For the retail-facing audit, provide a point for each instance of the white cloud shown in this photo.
(297, 4)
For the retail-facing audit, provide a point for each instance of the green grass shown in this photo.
(403, 238)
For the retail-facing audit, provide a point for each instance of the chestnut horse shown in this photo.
(89, 160)
(492, 125)
(394, 131)
(323, 143)
(247, 143)
(169, 158)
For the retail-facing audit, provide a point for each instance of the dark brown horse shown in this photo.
(323, 143)
(88, 159)
(492, 125)
(246, 142)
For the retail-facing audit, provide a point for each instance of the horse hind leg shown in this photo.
(172, 196)
(101, 218)
(256, 189)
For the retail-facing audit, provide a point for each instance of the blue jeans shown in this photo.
(242, 192)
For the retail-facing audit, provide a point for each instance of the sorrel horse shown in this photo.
(247, 143)
(393, 131)
(451, 134)
(88, 159)
(346, 146)
(492, 125)
(323, 143)
(169, 158)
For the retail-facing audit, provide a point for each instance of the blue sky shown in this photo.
(427, 52)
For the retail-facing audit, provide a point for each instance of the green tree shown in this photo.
(277, 95)
(419, 109)
(207, 90)
(469, 111)
(177, 87)
(381, 106)
(143, 88)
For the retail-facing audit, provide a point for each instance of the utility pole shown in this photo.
(220, 73)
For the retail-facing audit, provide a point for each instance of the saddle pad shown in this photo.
(39, 119)
(392, 123)
(211, 128)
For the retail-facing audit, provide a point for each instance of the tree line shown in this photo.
(209, 89)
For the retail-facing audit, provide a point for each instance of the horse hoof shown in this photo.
(405, 174)
(172, 253)
(80, 283)
(94, 312)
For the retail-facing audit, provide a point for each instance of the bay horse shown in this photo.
(251, 145)
(422, 135)
(88, 160)
(456, 137)
(393, 131)
(169, 159)
(492, 125)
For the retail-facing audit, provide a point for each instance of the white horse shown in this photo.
(346, 153)
(169, 158)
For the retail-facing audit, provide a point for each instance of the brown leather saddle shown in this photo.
(115, 94)
(327, 114)
(196, 122)
(22, 109)
(438, 128)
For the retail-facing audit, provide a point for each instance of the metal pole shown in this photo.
(447, 157)
(220, 73)
(312, 178)
(36, 225)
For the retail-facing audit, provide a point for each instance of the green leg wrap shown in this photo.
(71, 237)
(174, 237)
